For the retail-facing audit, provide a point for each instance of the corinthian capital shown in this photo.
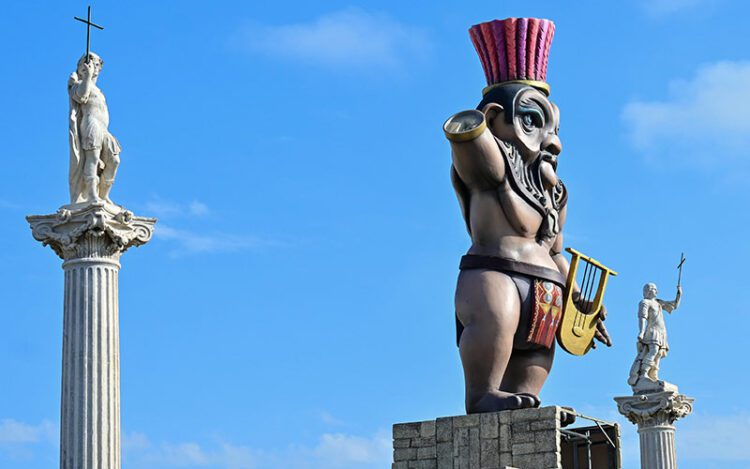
(661, 408)
(95, 230)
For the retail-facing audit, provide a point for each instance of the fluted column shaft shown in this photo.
(91, 239)
(657, 446)
(90, 401)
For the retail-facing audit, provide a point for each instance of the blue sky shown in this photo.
(297, 297)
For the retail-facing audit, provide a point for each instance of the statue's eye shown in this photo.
(531, 120)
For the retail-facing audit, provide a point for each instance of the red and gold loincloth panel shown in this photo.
(546, 312)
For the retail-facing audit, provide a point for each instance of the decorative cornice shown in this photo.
(91, 230)
(649, 410)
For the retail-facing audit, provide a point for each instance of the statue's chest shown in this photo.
(96, 99)
(524, 218)
(654, 312)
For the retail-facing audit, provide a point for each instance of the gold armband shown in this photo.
(465, 126)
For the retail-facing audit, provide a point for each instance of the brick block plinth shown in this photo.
(525, 439)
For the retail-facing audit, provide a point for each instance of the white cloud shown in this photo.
(134, 441)
(350, 37)
(703, 121)
(226, 456)
(159, 207)
(190, 242)
(714, 438)
(21, 441)
(13, 432)
(329, 419)
(332, 451)
(340, 450)
(198, 208)
(197, 240)
(140, 452)
(665, 7)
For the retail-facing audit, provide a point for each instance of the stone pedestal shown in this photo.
(90, 239)
(654, 413)
(527, 439)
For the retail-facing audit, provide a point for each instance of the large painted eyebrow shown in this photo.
(534, 110)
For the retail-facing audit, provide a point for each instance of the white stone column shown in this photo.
(90, 240)
(654, 413)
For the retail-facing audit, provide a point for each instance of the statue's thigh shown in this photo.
(487, 298)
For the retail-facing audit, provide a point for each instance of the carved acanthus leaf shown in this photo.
(661, 408)
(94, 230)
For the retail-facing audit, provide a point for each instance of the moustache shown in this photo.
(549, 158)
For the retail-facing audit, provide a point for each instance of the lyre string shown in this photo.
(589, 291)
(592, 276)
(581, 294)
(579, 319)
(593, 290)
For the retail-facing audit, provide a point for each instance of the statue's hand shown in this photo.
(88, 69)
(601, 333)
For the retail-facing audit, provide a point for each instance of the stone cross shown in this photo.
(89, 24)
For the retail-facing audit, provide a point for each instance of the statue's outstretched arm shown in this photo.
(670, 306)
(477, 158)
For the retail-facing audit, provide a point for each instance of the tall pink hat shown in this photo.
(514, 50)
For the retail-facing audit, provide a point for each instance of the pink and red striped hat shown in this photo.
(514, 50)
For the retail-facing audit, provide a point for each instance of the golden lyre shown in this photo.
(576, 332)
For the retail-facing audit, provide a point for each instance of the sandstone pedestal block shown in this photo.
(90, 238)
(525, 439)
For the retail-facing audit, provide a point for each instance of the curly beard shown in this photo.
(527, 180)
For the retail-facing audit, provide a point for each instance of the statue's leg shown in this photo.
(528, 370)
(649, 361)
(529, 364)
(636, 369)
(653, 371)
(111, 162)
(91, 174)
(488, 306)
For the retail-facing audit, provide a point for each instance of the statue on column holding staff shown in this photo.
(94, 152)
(652, 342)
(516, 291)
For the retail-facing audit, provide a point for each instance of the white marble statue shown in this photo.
(94, 152)
(652, 340)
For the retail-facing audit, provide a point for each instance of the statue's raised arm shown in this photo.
(670, 306)
(94, 152)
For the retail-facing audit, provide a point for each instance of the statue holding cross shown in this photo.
(652, 337)
(94, 152)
